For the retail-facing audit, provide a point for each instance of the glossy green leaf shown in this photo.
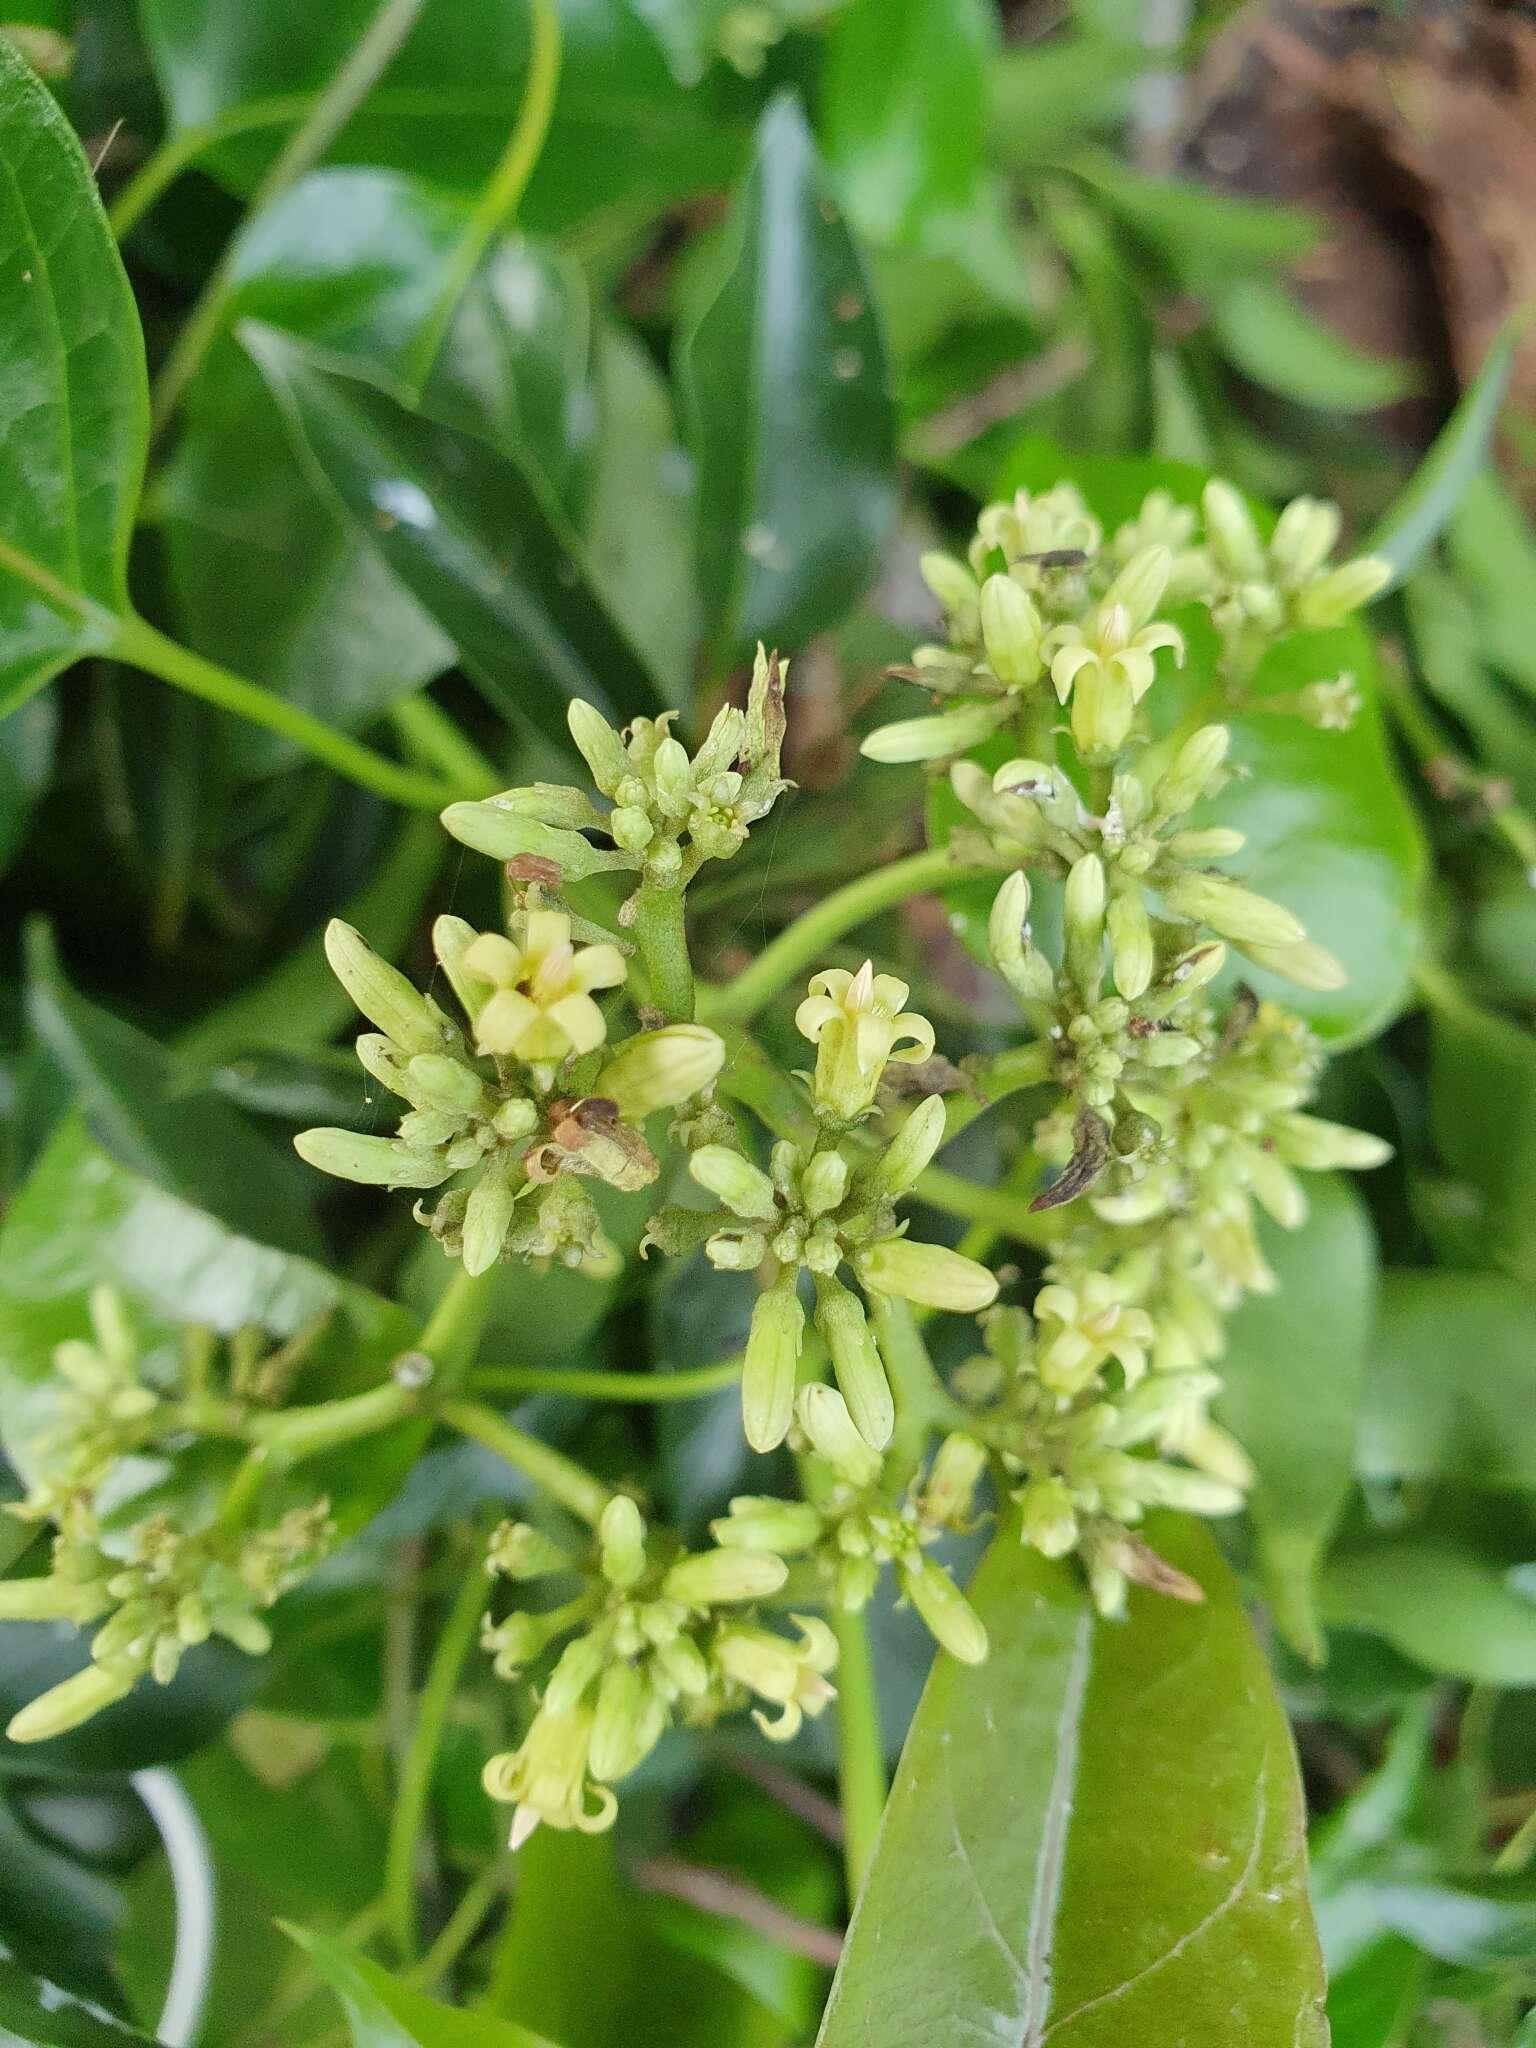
(1418, 515)
(1204, 234)
(1482, 1119)
(901, 114)
(472, 537)
(784, 373)
(384, 2013)
(1438, 1601)
(1450, 1392)
(1293, 1369)
(1094, 1838)
(74, 421)
(1275, 342)
(36, 2014)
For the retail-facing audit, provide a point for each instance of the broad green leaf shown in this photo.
(1095, 1837)
(36, 2014)
(74, 419)
(1417, 516)
(1275, 342)
(475, 540)
(784, 375)
(139, 1105)
(1204, 235)
(1489, 544)
(902, 111)
(1438, 1601)
(1373, 1999)
(1450, 1391)
(1042, 95)
(1292, 1370)
(1482, 1119)
(384, 2013)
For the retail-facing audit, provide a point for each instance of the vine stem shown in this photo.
(801, 944)
(572, 1485)
(596, 1385)
(1001, 1208)
(661, 933)
(363, 66)
(402, 1855)
(861, 1780)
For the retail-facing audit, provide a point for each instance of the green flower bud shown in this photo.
(1140, 585)
(949, 1617)
(771, 1365)
(1214, 842)
(68, 1704)
(1192, 771)
(1083, 922)
(736, 1251)
(438, 1082)
(824, 1183)
(735, 1181)
(763, 1522)
(452, 938)
(1308, 964)
(488, 1214)
(1332, 598)
(1130, 943)
(672, 772)
(713, 1578)
(599, 745)
(628, 1721)
(1048, 1516)
(1010, 631)
(855, 1360)
(928, 1273)
(1305, 536)
(520, 1552)
(381, 992)
(1235, 912)
(506, 835)
(515, 1118)
(621, 1540)
(937, 737)
(829, 1429)
(1319, 1146)
(951, 583)
(44, 1599)
(897, 1169)
(631, 827)
(1229, 527)
(659, 1069)
(1025, 969)
(552, 803)
(1170, 1486)
(373, 1162)
(952, 1479)
(1167, 1049)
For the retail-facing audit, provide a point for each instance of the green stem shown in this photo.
(432, 736)
(922, 1400)
(557, 1475)
(1447, 773)
(361, 70)
(661, 933)
(861, 1782)
(461, 1926)
(594, 1385)
(999, 1207)
(407, 1818)
(306, 1432)
(802, 944)
(454, 1326)
(180, 151)
(1005, 1073)
(497, 205)
(141, 646)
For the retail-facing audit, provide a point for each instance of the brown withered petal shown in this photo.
(1090, 1156)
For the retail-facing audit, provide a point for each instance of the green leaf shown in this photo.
(384, 2013)
(76, 408)
(1274, 341)
(1293, 1369)
(784, 374)
(1458, 631)
(1204, 235)
(1043, 95)
(1489, 543)
(27, 742)
(1439, 1602)
(1417, 516)
(473, 538)
(1450, 1392)
(1482, 1119)
(36, 2014)
(1095, 1837)
(902, 111)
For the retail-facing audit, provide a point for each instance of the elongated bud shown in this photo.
(439, 1082)
(659, 1069)
(1229, 527)
(1332, 598)
(1130, 943)
(1305, 535)
(66, 1705)
(1171, 1486)
(855, 1360)
(952, 1478)
(1048, 1516)
(829, 1429)
(1192, 771)
(552, 803)
(897, 1169)
(452, 938)
(824, 1183)
(1010, 631)
(771, 1365)
(764, 1522)
(951, 583)
(44, 1599)
(577, 1670)
(1308, 964)
(621, 1541)
(520, 1552)
(1319, 1146)
(1023, 966)
(671, 769)
(949, 1617)
(507, 835)
(1140, 585)
(627, 1723)
(715, 1578)
(928, 1273)
(733, 1180)
(1213, 842)
(599, 745)
(1083, 921)
(382, 992)
(372, 1162)
(488, 1214)
(937, 737)
(1148, 1408)
(1235, 912)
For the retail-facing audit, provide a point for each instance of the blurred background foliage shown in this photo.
(792, 284)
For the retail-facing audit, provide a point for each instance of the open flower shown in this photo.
(857, 1024)
(1105, 665)
(791, 1676)
(1083, 1325)
(541, 1009)
(547, 1778)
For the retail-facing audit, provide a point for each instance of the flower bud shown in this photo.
(928, 1273)
(1048, 1516)
(1130, 943)
(897, 1169)
(951, 583)
(1083, 921)
(936, 737)
(1229, 528)
(659, 1069)
(1235, 912)
(621, 1541)
(438, 1082)
(772, 1364)
(952, 1478)
(763, 1522)
(950, 1618)
(1319, 1146)
(855, 1360)
(598, 744)
(1213, 842)
(488, 1214)
(740, 1251)
(452, 938)
(68, 1704)
(1305, 535)
(1192, 771)
(382, 992)
(733, 1180)
(505, 835)
(520, 1552)
(627, 1723)
(672, 772)
(1140, 585)
(824, 1183)
(1025, 969)
(1308, 964)
(1010, 631)
(1332, 598)
(1171, 1486)
(551, 803)
(372, 1162)
(712, 1578)
(829, 1429)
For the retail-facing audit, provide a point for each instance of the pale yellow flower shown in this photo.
(542, 1008)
